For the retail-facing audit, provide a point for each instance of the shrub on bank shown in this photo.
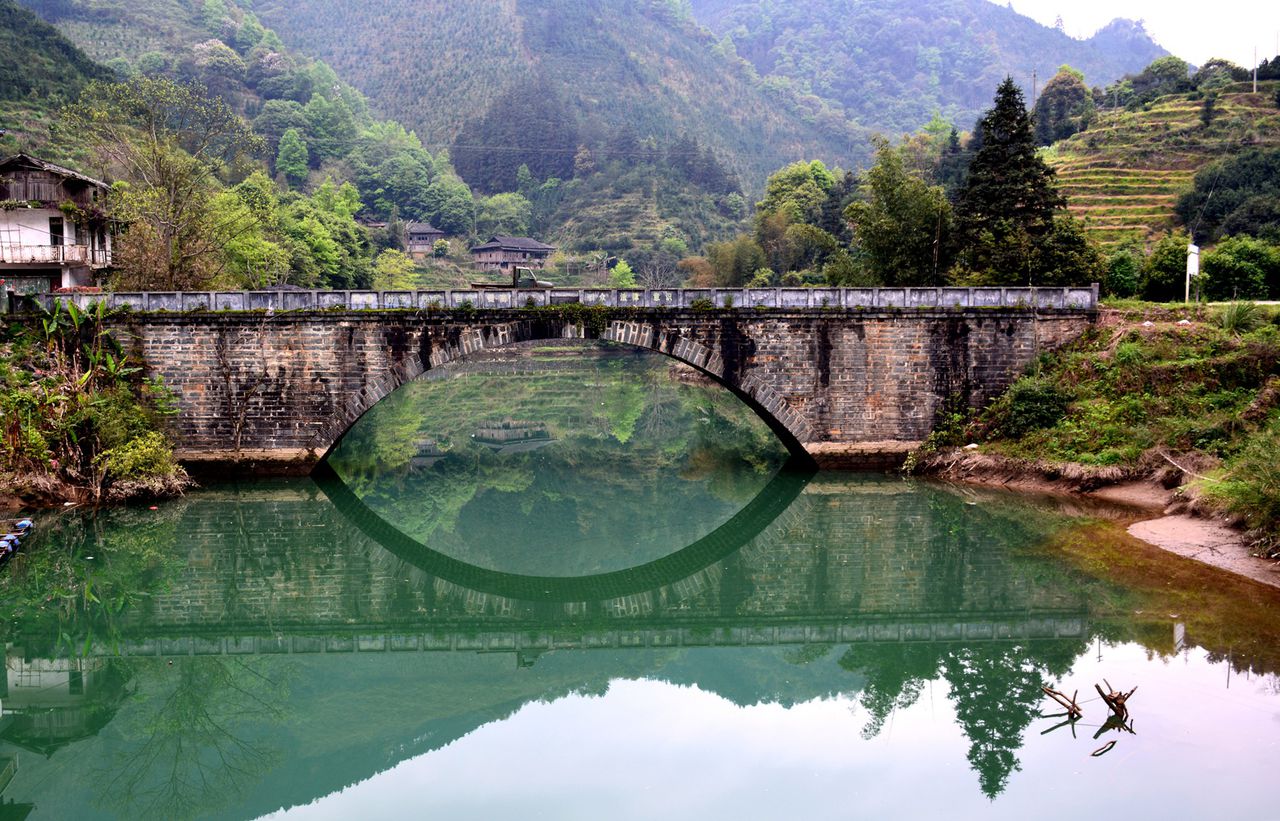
(1249, 487)
(147, 456)
(79, 420)
(1033, 404)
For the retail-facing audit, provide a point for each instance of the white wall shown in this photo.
(30, 226)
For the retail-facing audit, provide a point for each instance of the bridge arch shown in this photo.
(454, 342)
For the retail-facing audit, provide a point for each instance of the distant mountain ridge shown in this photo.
(642, 67)
(891, 64)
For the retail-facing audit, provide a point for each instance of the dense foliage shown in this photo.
(78, 415)
(1064, 107)
(643, 64)
(1236, 195)
(901, 224)
(931, 210)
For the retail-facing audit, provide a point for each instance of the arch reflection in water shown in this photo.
(772, 500)
(557, 460)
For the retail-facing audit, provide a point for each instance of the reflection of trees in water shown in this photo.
(895, 675)
(604, 399)
(994, 687)
(83, 571)
(625, 432)
(198, 746)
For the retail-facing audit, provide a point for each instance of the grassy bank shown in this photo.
(1183, 396)
(80, 422)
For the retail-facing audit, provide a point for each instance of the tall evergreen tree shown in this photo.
(1007, 205)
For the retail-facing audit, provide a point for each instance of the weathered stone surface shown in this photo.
(836, 383)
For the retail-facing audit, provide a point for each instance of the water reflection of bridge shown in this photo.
(280, 589)
(825, 563)
(968, 629)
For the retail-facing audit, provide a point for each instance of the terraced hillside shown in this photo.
(1123, 175)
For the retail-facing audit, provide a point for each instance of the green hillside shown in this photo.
(891, 64)
(36, 61)
(1122, 176)
(39, 69)
(636, 70)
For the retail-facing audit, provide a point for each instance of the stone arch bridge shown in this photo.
(846, 377)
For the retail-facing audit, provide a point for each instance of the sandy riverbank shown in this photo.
(1155, 521)
(1208, 541)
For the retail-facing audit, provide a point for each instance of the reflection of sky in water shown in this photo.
(559, 461)
(650, 749)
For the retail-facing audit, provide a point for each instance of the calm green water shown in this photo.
(576, 586)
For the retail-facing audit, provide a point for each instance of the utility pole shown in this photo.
(1033, 85)
(1255, 69)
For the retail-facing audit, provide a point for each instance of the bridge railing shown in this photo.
(1068, 298)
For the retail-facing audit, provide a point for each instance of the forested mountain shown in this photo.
(617, 72)
(36, 61)
(891, 64)
(582, 174)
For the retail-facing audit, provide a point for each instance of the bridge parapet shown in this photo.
(1061, 298)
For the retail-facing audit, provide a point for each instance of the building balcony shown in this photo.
(54, 255)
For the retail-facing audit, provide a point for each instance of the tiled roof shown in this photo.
(34, 162)
(505, 243)
(422, 228)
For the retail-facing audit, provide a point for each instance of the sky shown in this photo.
(1193, 31)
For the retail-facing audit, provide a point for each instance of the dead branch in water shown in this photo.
(1068, 704)
(1104, 749)
(1116, 699)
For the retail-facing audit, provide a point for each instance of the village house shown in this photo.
(505, 254)
(420, 239)
(54, 232)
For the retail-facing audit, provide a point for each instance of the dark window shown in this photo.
(55, 231)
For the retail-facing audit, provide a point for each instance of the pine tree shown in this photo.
(293, 157)
(1007, 205)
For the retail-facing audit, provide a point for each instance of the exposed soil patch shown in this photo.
(1207, 541)
(45, 491)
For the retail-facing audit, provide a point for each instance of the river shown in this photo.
(583, 583)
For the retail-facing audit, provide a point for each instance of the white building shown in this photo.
(54, 231)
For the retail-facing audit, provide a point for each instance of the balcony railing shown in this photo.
(54, 255)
